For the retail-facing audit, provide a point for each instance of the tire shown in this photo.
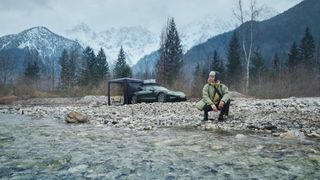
(162, 98)
(134, 99)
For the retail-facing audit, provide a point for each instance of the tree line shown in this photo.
(297, 74)
(76, 69)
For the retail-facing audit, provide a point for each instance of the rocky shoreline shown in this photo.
(291, 117)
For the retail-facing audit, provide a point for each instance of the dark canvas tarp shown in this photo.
(129, 85)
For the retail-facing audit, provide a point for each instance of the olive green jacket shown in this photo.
(208, 93)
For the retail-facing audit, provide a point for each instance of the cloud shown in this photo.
(59, 15)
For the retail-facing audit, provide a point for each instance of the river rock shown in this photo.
(77, 169)
(314, 134)
(216, 147)
(76, 117)
(292, 134)
(240, 136)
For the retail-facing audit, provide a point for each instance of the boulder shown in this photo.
(76, 117)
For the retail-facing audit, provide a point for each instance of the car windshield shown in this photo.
(158, 88)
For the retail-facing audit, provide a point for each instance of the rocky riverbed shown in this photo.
(298, 116)
(131, 141)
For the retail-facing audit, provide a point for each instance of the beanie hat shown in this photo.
(212, 73)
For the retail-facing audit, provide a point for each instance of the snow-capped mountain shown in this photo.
(136, 41)
(198, 32)
(48, 44)
(16, 47)
(190, 34)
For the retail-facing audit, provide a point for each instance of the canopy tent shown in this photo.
(129, 85)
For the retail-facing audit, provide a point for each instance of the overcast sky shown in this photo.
(60, 15)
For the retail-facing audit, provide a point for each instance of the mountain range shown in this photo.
(199, 39)
(274, 35)
(48, 46)
(138, 41)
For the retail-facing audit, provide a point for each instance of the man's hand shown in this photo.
(221, 104)
(214, 108)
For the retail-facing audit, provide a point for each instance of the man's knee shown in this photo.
(207, 108)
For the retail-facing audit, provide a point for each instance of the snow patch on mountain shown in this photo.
(136, 41)
(47, 43)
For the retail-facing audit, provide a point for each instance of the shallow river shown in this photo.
(50, 149)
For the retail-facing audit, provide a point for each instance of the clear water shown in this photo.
(50, 149)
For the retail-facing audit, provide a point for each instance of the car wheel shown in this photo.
(161, 97)
(134, 100)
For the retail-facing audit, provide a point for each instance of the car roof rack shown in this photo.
(149, 81)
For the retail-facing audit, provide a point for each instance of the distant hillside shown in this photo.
(49, 46)
(274, 35)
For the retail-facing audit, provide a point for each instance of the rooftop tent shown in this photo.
(130, 85)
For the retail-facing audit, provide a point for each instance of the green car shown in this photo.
(153, 92)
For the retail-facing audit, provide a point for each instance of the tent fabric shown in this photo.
(130, 85)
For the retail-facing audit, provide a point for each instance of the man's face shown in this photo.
(211, 78)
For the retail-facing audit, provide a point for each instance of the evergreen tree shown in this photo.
(102, 65)
(32, 71)
(89, 74)
(170, 62)
(257, 67)
(197, 85)
(234, 66)
(275, 65)
(68, 68)
(122, 69)
(293, 57)
(64, 69)
(75, 65)
(257, 70)
(217, 64)
(205, 72)
(307, 49)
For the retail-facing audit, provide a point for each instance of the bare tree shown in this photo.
(247, 39)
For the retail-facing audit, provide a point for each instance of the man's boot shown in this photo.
(220, 117)
(205, 116)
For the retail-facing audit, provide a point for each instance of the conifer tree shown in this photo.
(257, 71)
(275, 65)
(64, 63)
(170, 62)
(89, 75)
(68, 68)
(122, 69)
(257, 67)
(217, 64)
(307, 49)
(293, 57)
(32, 72)
(234, 66)
(197, 85)
(102, 65)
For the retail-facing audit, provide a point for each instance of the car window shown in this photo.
(148, 88)
(160, 88)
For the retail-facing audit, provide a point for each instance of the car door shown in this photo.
(148, 93)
